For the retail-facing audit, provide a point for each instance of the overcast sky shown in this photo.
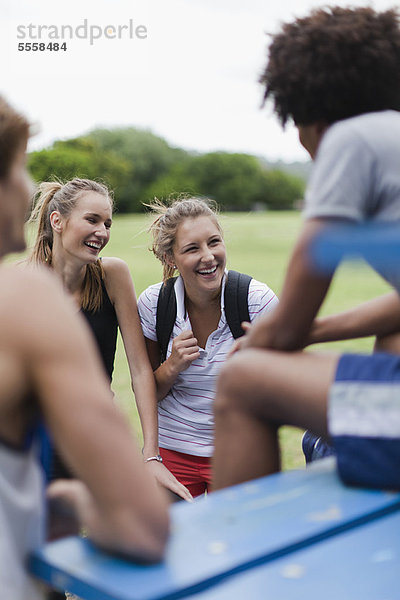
(191, 80)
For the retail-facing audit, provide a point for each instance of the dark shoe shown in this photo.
(315, 447)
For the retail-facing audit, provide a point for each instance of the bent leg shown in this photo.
(388, 343)
(259, 390)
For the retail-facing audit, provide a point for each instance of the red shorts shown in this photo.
(194, 472)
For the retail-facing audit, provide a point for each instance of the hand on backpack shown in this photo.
(184, 351)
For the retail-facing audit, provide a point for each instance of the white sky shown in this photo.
(193, 80)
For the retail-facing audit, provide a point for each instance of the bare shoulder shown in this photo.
(24, 286)
(32, 304)
(118, 278)
(114, 266)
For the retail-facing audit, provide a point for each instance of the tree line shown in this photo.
(139, 166)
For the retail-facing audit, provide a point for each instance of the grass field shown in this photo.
(258, 244)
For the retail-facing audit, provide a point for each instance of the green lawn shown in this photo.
(258, 244)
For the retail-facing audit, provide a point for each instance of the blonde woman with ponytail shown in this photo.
(188, 239)
(73, 226)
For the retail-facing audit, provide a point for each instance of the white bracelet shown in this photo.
(158, 458)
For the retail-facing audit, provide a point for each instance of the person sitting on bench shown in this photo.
(336, 74)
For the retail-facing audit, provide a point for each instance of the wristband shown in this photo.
(158, 458)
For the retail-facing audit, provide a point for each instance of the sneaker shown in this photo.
(315, 447)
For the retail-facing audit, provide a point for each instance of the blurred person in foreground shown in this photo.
(50, 372)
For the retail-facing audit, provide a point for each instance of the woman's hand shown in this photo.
(184, 351)
(167, 480)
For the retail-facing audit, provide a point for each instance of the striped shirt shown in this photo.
(185, 415)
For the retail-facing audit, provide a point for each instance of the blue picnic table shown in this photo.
(361, 563)
(290, 536)
(273, 533)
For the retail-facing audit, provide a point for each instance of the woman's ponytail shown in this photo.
(42, 208)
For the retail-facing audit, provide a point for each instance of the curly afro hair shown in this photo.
(334, 64)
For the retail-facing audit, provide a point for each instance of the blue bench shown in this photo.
(361, 563)
(289, 536)
(230, 532)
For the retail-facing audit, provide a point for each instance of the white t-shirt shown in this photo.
(22, 514)
(356, 174)
(185, 415)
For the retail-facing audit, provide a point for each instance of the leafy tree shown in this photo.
(282, 190)
(235, 181)
(139, 165)
(82, 158)
(178, 180)
(150, 157)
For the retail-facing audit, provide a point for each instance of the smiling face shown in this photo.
(199, 254)
(85, 232)
(15, 193)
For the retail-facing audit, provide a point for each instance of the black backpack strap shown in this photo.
(236, 301)
(166, 315)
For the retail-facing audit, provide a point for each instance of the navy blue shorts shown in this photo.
(364, 419)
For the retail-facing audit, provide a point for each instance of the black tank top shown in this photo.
(104, 325)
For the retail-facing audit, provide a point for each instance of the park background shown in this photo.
(258, 243)
(260, 204)
(189, 94)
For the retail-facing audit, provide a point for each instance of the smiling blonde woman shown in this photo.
(187, 237)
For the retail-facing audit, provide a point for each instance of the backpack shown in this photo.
(236, 308)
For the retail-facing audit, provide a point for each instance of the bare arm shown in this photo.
(379, 317)
(287, 327)
(122, 293)
(119, 504)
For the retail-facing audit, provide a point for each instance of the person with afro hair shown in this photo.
(336, 75)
